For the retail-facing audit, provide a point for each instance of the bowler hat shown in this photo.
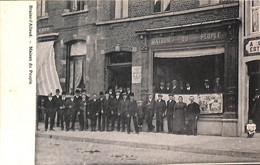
(57, 90)
(117, 90)
(101, 93)
(160, 95)
(131, 94)
(77, 91)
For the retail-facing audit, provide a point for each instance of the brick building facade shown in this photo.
(133, 28)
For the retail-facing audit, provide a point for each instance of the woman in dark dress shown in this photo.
(179, 114)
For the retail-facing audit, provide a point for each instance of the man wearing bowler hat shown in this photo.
(62, 109)
(160, 107)
(132, 113)
(106, 111)
(68, 111)
(122, 109)
(114, 111)
(100, 102)
(50, 111)
(77, 100)
(170, 109)
(149, 111)
(93, 108)
(56, 102)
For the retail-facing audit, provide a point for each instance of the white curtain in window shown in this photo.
(79, 48)
(76, 73)
(118, 8)
(125, 8)
(166, 3)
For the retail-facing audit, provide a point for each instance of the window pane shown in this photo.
(213, 2)
(204, 2)
(166, 5)
(157, 6)
(255, 3)
(125, 8)
(255, 20)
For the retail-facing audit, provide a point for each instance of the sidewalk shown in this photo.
(214, 145)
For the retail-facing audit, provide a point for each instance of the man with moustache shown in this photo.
(170, 109)
(77, 100)
(149, 111)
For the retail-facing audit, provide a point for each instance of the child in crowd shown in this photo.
(250, 128)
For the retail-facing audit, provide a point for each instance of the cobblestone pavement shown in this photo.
(56, 151)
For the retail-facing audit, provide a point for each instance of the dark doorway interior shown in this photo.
(254, 93)
(121, 76)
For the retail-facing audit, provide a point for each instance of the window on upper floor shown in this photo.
(255, 13)
(76, 5)
(121, 9)
(41, 8)
(208, 2)
(161, 5)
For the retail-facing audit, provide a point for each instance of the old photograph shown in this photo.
(147, 82)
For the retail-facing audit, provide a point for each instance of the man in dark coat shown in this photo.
(82, 112)
(168, 88)
(50, 110)
(106, 112)
(114, 111)
(206, 87)
(101, 97)
(122, 109)
(62, 107)
(93, 108)
(132, 113)
(188, 89)
(161, 88)
(170, 109)
(77, 100)
(68, 111)
(160, 107)
(149, 111)
(192, 115)
(175, 88)
(56, 102)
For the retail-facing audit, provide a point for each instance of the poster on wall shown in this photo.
(209, 103)
(136, 74)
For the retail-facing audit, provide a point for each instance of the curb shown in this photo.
(155, 146)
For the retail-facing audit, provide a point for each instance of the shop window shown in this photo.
(255, 19)
(192, 71)
(161, 5)
(121, 9)
(76, 64)
(41, 8)
(208, 2)
(76, 5)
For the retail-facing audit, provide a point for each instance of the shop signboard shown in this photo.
(252, 46)
(136, 74)
(209, 103)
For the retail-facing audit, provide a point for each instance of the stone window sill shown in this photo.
(74, 13)
(43, 18)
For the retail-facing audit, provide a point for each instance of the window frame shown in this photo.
(209, 2)
(43, 8)
(80, 5)
(251, 17)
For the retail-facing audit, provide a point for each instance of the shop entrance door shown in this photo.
(120, 76)
(254, 92)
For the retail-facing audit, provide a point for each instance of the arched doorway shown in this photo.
(118, 69)
(254, 92)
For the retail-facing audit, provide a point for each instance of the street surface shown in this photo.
(57, 151)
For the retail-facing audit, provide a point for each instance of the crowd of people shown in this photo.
(115, 109)
(178, 87)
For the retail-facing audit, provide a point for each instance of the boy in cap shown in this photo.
(68, 111)
(77, 100)
(50, 112)
(93, 108)
(131, 112)
(62, 109)
(149, 111)
(160, 107)
(122, 109)
(170, 109)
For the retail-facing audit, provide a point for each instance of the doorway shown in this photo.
(254, 92)
(119, 69)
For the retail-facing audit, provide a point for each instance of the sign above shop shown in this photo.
(44, 29)
(198, 37)
(252, 46)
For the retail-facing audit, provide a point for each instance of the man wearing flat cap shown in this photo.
(106, 112)
(160, 108)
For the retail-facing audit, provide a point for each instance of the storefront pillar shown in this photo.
(150, 71)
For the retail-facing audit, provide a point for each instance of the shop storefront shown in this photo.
(192, 55)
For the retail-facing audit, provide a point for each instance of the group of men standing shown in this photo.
(121, 108)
